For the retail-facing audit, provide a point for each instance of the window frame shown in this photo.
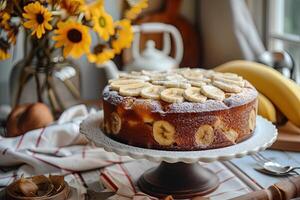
(276, 38)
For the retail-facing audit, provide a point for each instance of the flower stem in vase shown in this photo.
(38, 87)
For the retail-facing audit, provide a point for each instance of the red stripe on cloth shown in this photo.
(107, 179)
(10, 176)
(51, 164)
(221, 193)
(40, 137)
(57, 150)
(15, 177)
(227, 179)
(20, 141)
(113, 162)
(127, 176)
(4, 151)
(83, 152)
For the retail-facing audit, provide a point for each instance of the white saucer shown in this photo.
(264, 136)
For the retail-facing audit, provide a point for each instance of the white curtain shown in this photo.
(227, 32)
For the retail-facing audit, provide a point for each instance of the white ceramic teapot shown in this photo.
(152, 58)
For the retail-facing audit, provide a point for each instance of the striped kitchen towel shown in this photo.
(59, 148)
(122, 178)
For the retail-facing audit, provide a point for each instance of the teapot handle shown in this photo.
(167, 43)
(177, 41)
(158, 28)
(136, 44)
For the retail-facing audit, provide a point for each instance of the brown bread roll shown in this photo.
(26, 117)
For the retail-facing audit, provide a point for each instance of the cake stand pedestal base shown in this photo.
(180, 179)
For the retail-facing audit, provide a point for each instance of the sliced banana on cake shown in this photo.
(229, 81)
(172, 84)
(159, 82)
(177, 84)
(117, 83)
(175, 77)
(172, 95)
(197, 83)
(206, 80)
(193, 94)
(163, 133)
(212, 92)
(204, 135)
(152, 92)
(157, 77)
(229, 76)
(231, 135)
(209, 73)
(252, 120)
(133, 76)
(115, 123)
(227, 87)
(192, 75)
(133, 89)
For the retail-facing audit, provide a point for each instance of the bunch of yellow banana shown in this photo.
(266, 108)
(275, 89)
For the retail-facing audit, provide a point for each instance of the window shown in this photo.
(284, 29)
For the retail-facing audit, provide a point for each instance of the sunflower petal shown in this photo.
(91, 58)
(77, 52)
(48, 26)
(28, 16)
(29, 24)
(67, 50)
(39, 32)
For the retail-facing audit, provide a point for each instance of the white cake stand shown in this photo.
(179, 173)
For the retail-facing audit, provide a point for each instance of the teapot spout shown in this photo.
(110, 68)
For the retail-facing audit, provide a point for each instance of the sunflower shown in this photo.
(4, 46)
(123, 36)
(72, 6)
(101, 54)
(38, 18)
(92, 8)
(74, 37)
(136, 9)
(4, 20)
(103, 24)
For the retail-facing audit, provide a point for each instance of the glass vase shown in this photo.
(55, 82)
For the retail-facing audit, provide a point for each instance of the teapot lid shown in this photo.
(151, 52)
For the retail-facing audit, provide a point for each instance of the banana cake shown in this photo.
(180, 109)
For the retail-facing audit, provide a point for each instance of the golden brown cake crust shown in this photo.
(157, 124)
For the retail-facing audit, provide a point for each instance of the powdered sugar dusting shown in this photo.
(247, 95)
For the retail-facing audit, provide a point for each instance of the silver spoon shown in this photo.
(276, 169)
